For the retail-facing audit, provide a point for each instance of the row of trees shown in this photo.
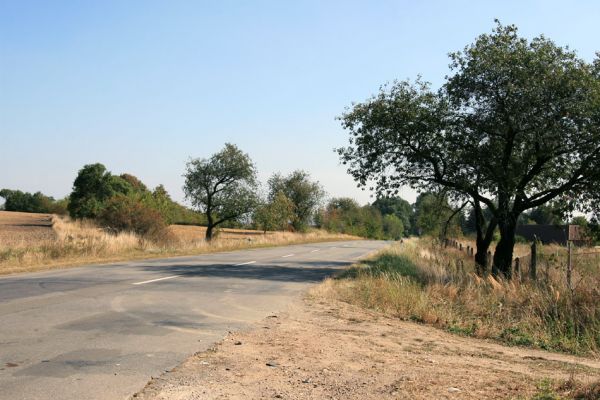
(516, 125)
(225, 188)
(16, 200)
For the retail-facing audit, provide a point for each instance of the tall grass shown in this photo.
(78, 242)
(425, 283)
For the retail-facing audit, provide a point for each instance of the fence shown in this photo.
(573, 264)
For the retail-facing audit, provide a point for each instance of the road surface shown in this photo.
(101, 332)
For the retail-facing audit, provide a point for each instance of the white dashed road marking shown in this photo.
(289, 255)
(156, 280)
(246, 263)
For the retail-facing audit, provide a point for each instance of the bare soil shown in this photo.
(17, 228)
(331, 350)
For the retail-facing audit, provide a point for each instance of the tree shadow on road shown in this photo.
(308, 271)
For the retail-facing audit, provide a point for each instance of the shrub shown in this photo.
(127, 214)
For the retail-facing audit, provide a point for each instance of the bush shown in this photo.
(127, 214)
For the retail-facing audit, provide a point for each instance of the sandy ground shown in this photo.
(325, 350)
(18, 228)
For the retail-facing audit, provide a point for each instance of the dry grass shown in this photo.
(32, 242)
(419, 281)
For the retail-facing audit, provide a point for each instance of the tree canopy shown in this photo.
(223, 187)
(302, 191)
(515, 125)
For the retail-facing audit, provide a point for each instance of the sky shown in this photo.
(142, 86)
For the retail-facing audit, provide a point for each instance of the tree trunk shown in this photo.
(209, 227)
(503, 256)
(484, 239)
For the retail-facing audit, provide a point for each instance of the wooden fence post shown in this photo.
(569, 265)
(518, 268)
(533, 265)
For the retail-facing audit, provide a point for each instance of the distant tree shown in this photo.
(398, 207)
(223, 187)
(393, 227)
(302, 191)
(545, 215)
(275, 215)
(343, 215)
(134, 182)
(435, 216)
(93, 186)
(372, 223)
(16, 200)
(579, 220)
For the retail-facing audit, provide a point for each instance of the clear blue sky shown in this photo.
(141, 86)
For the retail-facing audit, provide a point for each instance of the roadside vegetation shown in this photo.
(75, 242)
(568, 389)
(423, 282)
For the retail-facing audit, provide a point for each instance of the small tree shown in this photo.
(276, 214)
(130, 214)
(304, 193)
(223, 187)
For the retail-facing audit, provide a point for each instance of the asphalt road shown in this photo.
(101, 332)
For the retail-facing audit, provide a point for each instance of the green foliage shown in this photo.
(274, 215)
(171, 211)
(388, 265)
(16, 200)
(515, 126)
(545, 215)
(393, 227)
(127, 213)
(304, 193)
(431, 215)
(223, 187)
(93, 186)
(399, 207)
(344, 215)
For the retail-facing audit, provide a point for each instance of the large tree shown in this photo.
(516, 125)
(92, 188)
(305, 193)
(223, 187)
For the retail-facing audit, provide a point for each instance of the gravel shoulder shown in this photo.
(322, 349)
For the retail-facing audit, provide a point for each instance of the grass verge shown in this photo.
(570, 389)
(421, 282)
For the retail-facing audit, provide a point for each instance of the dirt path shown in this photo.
(324, 350)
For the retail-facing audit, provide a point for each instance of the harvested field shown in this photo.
(192, 233)
(23, 229)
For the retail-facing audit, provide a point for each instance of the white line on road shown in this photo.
(156, 280)
(246, 263)
(289, 255)
(314, 251)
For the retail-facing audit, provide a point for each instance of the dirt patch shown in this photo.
(25, 229)
(332, 350)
